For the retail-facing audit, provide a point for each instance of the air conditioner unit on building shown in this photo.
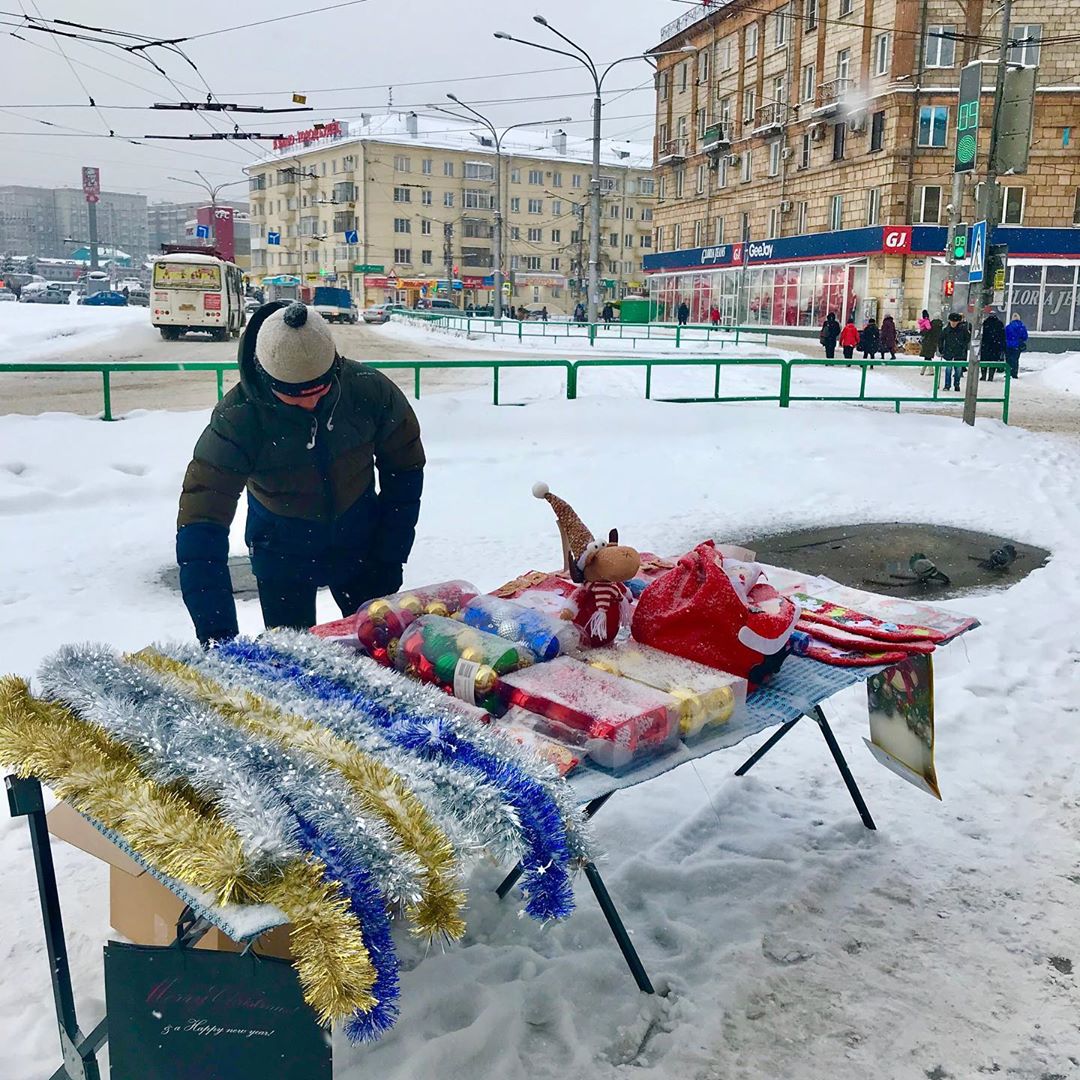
(817, 132)
(734, 159)
(785, 205)
(857, 122)
(786, 153)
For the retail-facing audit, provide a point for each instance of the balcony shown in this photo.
(671, 151)
(831, 95)
(770, 117)
(717, 138)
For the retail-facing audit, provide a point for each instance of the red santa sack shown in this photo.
(719, 612)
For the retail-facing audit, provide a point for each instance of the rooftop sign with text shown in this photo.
(332, 130)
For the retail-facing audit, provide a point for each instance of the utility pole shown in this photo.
(579, 211)
(448, 255)
(594, 214)
(990, 212)
(91, 220)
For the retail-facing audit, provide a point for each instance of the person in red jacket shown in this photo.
(849, 338)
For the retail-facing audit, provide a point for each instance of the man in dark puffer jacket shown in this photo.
(304, 431)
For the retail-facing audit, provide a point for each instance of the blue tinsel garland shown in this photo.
(546, 880)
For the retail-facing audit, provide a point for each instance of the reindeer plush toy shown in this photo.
(600, 604)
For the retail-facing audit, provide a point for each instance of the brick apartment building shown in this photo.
(804, 159)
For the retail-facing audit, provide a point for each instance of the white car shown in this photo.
(7, 296)
(380, 313)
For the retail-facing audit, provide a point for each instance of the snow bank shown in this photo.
(784, 939)
(30, 332)
(1060, 371)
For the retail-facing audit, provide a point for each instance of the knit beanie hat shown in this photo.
(583, 545)
(295, 348)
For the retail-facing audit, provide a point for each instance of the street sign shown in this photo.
(967, 118)
(273, 237)
(978, 252)
(202, 232)
(368, 268)
(1013, 144)
(351, 236)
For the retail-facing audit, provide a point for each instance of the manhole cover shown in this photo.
(879, 557)
(243, 581)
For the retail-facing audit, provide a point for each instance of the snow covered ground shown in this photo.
(1054, 371)
(29, 330)
(786, 941)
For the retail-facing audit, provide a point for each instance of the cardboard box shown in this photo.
(140, 908)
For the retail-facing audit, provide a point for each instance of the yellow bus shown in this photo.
(197, 292)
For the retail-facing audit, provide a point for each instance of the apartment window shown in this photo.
(535, 236)
(664, 81)
(703, 67)
(699, 233)
(448, 198)
(873, 206)
(478, 200)
(684, 76)
(725, 114)
(426, 165)
(629, 213)
(881, 54)
(836, 212)
(750, 41)
(532, 262)
(680, 178)
(744, 229)
(939, 49)
(556, 236)
(646, 186)
(515, 232)
(479, 170)
(781, 22)
(448, 168)
(801, 217)
(933, 125)
(555, 262)
(774, 157)
(536, 206)
(877, 131)
(402, 194)
(1028, 37)
(403, 255)
(839, 140)
(1012, 210)
(646, 241)
(556, 179)
(774, 222)
(556, 207)
(425, 257)
(749, 103)
(722, 172)
(646, 213)
(747, 167)
(425, 227)
(718, 231)
(676, 236)
(810, 15)
(724, 54)
(804, 151)
(402, 163)
(575, 180)
(846, 7)
(702, 122)
(536, 176)
(843, 64)
(515, 205)
(660, 238)
(515, 262)
(402, 225)
(701, 174)
(425, 197)
(779, 91)
(662, 190)
(928, 205)
(662, 137)
(809, 81)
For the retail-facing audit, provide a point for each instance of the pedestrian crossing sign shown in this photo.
(978, 252)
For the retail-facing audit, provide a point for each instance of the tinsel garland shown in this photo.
(377, 788)
(435, 734)
(180, 837)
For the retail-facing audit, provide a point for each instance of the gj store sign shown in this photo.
(849, 243)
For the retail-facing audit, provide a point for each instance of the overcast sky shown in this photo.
(344, 60)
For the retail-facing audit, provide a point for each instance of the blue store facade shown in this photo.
(793, 282)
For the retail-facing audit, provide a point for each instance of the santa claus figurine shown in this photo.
(600, 604)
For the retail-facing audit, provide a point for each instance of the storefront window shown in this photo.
(1026, 294)
(1059, 299)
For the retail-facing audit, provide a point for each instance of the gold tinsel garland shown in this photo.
(181, 837)
(378, 789)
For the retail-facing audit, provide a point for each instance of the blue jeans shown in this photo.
(953, 372)
(1012, 358)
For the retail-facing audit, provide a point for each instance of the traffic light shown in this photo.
(959, 244)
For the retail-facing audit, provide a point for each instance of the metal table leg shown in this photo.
(842, 765)
(758, 754)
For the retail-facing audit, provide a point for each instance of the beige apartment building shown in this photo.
(397, 205)
(805, 154)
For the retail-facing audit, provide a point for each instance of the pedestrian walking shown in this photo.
(869, 339)
(683, 313)
(888, 337)
(714, 315)
(1016, 335)
(849, 338)
(955, 339)
(991, 346)
(579, 313)
(930, 342)
(830, 334)
(924, 321)
(307, 433)
(608, 313)
(924, 324)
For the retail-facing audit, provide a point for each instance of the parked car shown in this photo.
(7, 296)
(139, 297)
(105, 298)
(437, 303)
(482, 311)
(380, 313)
(39, 293)
(251, 305)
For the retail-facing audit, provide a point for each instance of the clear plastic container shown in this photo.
(380, 623)
(617, 723)
(707, 697)
(545, 636)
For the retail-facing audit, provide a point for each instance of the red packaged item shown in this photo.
(720, 612)
(613, 721)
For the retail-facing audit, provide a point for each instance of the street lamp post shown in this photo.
(498, 137)
(211, 190)
(598, 77)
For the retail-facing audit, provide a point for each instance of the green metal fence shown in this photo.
(556, 330)
(786, 371)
